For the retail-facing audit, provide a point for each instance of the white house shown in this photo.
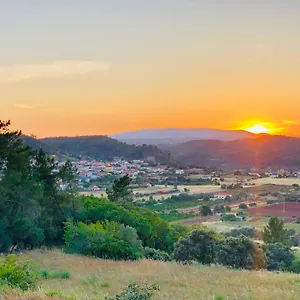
(222, 195)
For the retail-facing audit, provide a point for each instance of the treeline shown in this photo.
(238, 250)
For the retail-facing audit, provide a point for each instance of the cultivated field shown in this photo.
(94, 279)
(276, 181)
(194, 189)
(286, 210)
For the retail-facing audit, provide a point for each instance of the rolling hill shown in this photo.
(94, 279)
(173, 136)
(103, 147)
(261, 152)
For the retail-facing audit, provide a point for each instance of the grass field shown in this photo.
(276, 181)
(94, 278)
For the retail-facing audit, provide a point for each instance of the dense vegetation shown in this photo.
(36, 212)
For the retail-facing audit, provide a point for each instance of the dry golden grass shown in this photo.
(94, 278)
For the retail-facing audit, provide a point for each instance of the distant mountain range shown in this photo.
(213, 148)
(175, 136)
(263, 151)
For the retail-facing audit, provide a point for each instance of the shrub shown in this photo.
(295, 267)
(154, 254)
(248, 232)
(243, 206)
(235, 252)
(199, 245)
(47, 274)
(229, 218)
(136, 292)
(206, 210)
(278, 257)
(16, 275)
(109, 240)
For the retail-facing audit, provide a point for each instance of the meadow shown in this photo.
(92, 279)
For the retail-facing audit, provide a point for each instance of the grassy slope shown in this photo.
(90, 278)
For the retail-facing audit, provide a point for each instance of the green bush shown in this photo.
(248, 232)
(243, 206)
(278, 257)
(154, 254)
(47, 274)
(109, 240)
(16, 275)
(229, 218)
(199, 246)
(136, 292)
(235, 252)
(295, 267)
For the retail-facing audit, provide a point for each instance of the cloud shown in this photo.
(290, 122)
(55, 69)
(23, 106)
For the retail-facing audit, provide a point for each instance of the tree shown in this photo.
(278, 257)
(228, 208)
(199, 245)
(223, 186)
(243, 206)
(228, 199)
(235, 252)
(120, 189)
(217, 209)
(275, 232)
(205, 210)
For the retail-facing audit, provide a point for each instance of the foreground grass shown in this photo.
(95, 278)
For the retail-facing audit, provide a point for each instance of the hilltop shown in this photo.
(93, 279)
(96, 147)
(263, 151)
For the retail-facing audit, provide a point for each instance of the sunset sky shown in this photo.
(77, 67)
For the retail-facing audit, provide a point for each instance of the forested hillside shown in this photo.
(261, 152)
(103, 147)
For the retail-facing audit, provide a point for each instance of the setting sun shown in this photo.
(257, 129)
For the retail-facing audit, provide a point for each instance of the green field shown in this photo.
(93, 279)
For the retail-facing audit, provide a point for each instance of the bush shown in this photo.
(229, 218)
(199, 245)
(235, 252)
(248, 232)
(16, 275)
(154, 254)
(278, 257)
(243, 206)
(47, 274)
(295, 267)
(206, 210)
(136, 292)
(109, 240)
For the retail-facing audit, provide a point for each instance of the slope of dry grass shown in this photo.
(94, 278)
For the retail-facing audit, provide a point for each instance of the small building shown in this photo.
(179, 172)
(222, 195)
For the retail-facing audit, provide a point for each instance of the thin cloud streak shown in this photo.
(55, 69)
(23, 106)
(290, 122)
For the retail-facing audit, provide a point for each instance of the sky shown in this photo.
(92, 67)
